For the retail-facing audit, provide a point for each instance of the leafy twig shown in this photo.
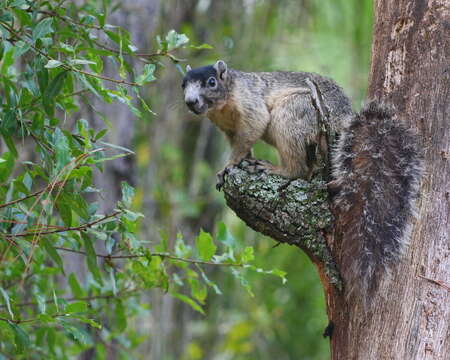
(18, 321)
(26, 197)
(69, 228)
(86, 298)
(163, 255)
(66, 66)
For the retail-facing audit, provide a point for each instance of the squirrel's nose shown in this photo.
(191, 102)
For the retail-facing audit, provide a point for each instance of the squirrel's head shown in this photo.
(205, 87)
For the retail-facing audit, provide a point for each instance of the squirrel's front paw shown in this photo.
(221, 177)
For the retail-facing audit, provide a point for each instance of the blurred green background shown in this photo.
(178, 155)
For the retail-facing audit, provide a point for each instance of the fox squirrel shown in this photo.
(375, 163)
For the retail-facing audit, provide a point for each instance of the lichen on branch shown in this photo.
(295, 212)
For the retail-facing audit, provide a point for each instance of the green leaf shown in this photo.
(121, 317)
(21, 48)
(65, 211)
(175, 40)
(62, 150)
(21, 339)
(77, 291)
(91, 322)
(81, 62)
(10, 144)
(51, 339)
(244, 282)
(18, 3)
(248, 255)
(79, 205)
(208, 282)
(189, 301)
(100, 134)
(52, 252)
(7, 61)
(147, 74)
(91, 258)
(55, 85)
(43, 28)
(42, 75)
(205, 246)
(198, 290)
(202, 46)
(76, 307)
(53, 64)
(9, 122)
(224, 236)
(6, 166)
(127, 194)
(75, 333)
(51, 91)
(117, 147)
(42, 305)
(281, 274)
(7, 302)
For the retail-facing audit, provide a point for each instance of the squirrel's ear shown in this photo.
(188, 68)
(221, 68)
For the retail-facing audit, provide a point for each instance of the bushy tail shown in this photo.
(377, 169)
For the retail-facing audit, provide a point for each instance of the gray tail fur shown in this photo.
(377, 168)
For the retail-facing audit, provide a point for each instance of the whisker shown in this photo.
(177, 104)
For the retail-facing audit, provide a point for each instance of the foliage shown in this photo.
(52, 57)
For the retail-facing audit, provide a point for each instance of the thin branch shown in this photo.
(163, 255)
(28, 320)
(70, 228)
(41, 143)
(138, 54)
(69, 20)
(86, 298)
(26, 197)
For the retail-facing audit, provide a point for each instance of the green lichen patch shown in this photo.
(295, 212)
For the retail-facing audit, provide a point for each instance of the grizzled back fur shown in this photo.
(377, 169)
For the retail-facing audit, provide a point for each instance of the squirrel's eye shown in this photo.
(211, 82)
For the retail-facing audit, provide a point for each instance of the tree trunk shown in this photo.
(410, 70)
(410, 318)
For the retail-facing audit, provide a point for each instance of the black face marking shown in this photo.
(201, 74)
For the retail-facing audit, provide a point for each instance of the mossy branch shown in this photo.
(295, 212)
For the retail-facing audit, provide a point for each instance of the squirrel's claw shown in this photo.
(221, 178)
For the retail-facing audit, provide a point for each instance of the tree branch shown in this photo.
(72, 228)
(160, 254)
(294, 212)
(28, 196)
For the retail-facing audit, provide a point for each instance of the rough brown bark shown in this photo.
(410, 70)
(410, 318)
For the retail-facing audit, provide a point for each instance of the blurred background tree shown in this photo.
(178, 154)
